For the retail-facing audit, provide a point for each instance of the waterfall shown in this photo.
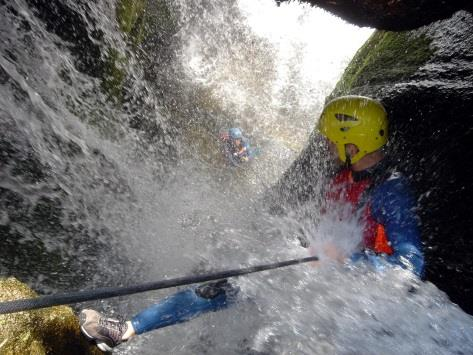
(111, 173)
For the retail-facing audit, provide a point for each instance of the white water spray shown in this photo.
(149, 225)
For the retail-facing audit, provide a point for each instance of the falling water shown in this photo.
(102, 191)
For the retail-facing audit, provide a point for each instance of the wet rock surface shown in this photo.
(397, 15)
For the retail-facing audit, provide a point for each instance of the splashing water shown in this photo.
(90, 200)
(268, 69)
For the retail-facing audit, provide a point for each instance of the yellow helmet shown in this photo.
(357, 120)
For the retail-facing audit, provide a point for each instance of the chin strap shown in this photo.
(347, 162)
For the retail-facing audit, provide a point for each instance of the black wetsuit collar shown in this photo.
(378, 172)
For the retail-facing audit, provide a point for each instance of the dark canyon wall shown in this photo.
(392, 15)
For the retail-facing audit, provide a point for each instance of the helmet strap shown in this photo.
(347, 161)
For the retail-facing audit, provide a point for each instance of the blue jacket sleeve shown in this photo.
(393, 206)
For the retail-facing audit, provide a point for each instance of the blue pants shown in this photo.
(185, 305)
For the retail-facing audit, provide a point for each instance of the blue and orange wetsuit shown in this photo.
(235, 154)
(388, 215)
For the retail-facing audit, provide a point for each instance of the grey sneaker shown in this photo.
(106, 332)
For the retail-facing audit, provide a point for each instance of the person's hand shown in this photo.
(333, 252)
(327, 252)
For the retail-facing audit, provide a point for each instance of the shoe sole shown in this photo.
(101, 345)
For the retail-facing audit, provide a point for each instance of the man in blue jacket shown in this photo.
(356, 129)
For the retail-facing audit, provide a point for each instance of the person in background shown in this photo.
(236, 147)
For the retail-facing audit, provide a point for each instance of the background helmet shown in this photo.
(357, 120)
(235, 133)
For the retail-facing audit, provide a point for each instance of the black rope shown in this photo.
(108, 292)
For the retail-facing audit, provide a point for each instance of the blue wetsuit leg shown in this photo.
(179, 308)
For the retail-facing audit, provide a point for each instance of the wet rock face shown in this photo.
(392, 15)
(40, 235)
(50, 222)
(61, 18)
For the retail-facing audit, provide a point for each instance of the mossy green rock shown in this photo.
(128, 13)
(386, 57)
(49, 331)
(144, 24)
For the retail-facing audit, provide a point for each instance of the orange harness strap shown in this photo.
(381, 244)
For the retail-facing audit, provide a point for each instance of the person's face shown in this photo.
(351, 150)
(238, 142)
